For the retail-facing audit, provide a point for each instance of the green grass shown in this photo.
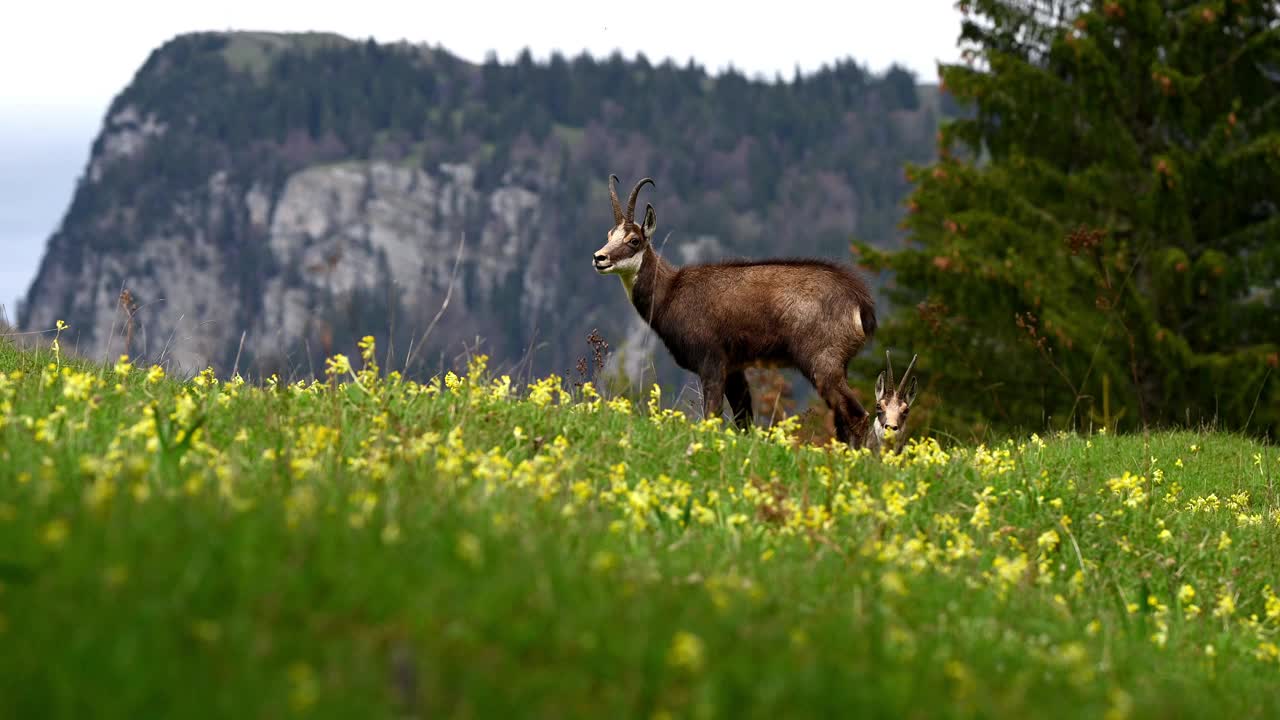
(386, 549)
(254, 52)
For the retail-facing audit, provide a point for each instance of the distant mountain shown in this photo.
(300, 191)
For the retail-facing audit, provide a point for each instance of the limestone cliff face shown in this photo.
(178, 275)
(368, 228)
(333, 234)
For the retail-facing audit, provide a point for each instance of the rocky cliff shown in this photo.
(266, 200)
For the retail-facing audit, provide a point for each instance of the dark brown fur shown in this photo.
(718, 319)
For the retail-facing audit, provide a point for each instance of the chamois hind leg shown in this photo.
(712, 377)
(828, 388)
(858, 425)
(739, 393)
(830, 381)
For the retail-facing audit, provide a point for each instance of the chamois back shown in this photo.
(773, 312)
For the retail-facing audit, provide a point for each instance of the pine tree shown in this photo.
(1098, 241)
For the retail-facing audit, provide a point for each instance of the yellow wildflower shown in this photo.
(1272, 604)
(470, 550)
(337, 365)
(1121, 702)
(391, 533)
(55, 533)
(1267, 652)
(1226, 606)
(892, 583)
(981, 513)
(304, 688)
(687, 652)
(603, 561)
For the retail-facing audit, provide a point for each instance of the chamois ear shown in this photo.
(880, 387)
(911, 392)
(650, 221)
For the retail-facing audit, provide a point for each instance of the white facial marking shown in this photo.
(625, 269)
(628, 269)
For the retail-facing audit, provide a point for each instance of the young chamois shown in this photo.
(893, 404)
(718, 319)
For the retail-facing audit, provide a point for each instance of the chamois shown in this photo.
(893, 404)
(718, 319)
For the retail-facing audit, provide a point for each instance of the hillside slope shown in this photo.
(290, 188)
(466, 548)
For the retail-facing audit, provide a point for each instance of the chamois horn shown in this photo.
(906, 375)
(631, 204)
(613, 197)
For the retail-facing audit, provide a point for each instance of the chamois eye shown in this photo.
(634, 241)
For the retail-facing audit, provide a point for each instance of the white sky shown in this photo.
(62, 62)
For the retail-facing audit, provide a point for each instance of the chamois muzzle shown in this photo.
(601, 262)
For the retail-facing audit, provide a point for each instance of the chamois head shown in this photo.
(893, 404)
(625, 244)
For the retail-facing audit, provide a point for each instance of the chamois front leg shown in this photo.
(712, 377)
(739, 393)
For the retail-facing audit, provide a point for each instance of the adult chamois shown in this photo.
(718, 319)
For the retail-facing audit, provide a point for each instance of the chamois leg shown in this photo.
(835, 400)
(739, 393)
(713, 381)
(844, 405)
(858, 417)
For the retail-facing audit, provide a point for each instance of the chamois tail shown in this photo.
(868, 317)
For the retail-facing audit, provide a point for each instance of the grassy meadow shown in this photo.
(373, 547)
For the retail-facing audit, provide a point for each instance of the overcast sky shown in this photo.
(62, 62)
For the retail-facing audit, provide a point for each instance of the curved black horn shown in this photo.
(888, 364)
(631, 204)
(906, 375)
(613, 197)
